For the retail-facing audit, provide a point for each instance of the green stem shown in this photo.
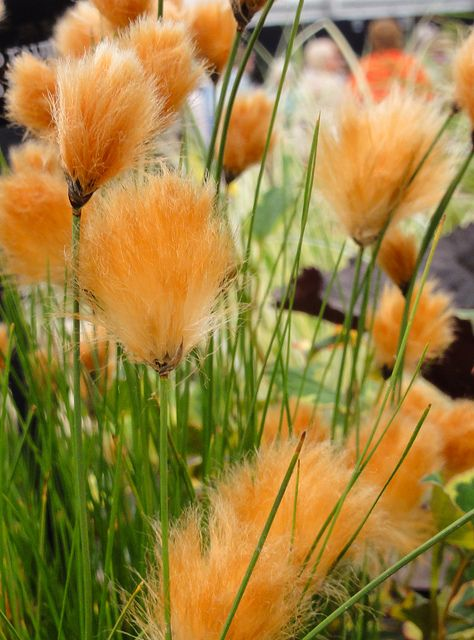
(79, 466)
(373, 584)
(240, 72)
(160, 8)
(164, 507)
(220, 103)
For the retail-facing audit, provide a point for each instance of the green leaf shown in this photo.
(445, 511)
(292, 383)
(270, 208)
(461, 490)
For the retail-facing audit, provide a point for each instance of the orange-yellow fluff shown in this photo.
(432, 325)
(455, 422)
(106, 113)
(31, 87)
(304, 417)
(35, 224)
(397, 256)
(167, 54)
(121, 12)
(204, 578)
(405, 491)
(79, 29)
(366, 165)
(35, 154)
(464, 77)
(213, 27)
(247, 133)
(153, 260)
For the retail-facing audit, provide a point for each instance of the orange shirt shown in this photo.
(386, 68)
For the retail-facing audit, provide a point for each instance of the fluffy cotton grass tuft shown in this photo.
(121, 12)
(35, 224)
(406, 490)
(432, 326)
(303, 417)
(205, 578)
(455, 422)
(153, 260)
(106, 114)
(366, 164)
(244, 10)
(167, 54)
(247, 133)
(464, 77)
(213, 27)
(31, 87)
(79, 29)
(397, 256)
(36, 155)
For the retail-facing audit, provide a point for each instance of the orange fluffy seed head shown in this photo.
(247, 133)
(31, 87)
(244, 11)
(35, 225)
(154, 259)
(167, 55)
(432, 326)
(35, 155)
(121, 12)
(365, 165)
(106, 114)
(464, 77)
(455, 422)
(213, 27)
(79, 29)
(397, 256)
(303, 416)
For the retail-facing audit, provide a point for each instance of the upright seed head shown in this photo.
(106, 115)
(432, 326)
(121, 12)
(397, 256)
(167, 55)
(213, 27)
(247, 133)
(35, 155)
(31, 87)
(366, 167)
(35, 224)
(153, 261)
(244, 11)
(81, 28)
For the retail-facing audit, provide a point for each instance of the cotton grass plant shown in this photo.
(213, 467)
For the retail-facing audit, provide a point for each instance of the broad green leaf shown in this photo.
(272, 205)
(445, 511)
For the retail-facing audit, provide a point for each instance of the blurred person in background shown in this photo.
(27, 26)
(324, 72)
(387, 64)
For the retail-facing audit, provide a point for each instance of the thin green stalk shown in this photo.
(238, 77)
(124, 611)
(373, 584)
(79, 462)
(262, 539)
(164, 507)
(160, 8)
(347, 334)
(220, 103)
